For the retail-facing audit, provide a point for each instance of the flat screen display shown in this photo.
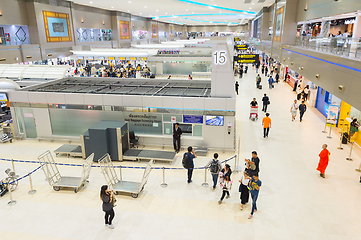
(215, 120)
(3, 97)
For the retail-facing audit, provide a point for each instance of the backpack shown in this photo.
(186, 162)
(214, 168)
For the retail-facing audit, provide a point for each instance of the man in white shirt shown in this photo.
(345, 35)
(293, 110)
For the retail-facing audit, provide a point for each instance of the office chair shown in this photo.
(133, 139)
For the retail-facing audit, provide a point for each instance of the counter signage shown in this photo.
(247, 58)
(133, 58)
(193, 119)
(241, 47)
(144, 58)
(111, 58)
(236, 39)
(121, 58)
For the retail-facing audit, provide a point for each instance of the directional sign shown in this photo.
(247, 58)
(236, 39)
(241, 47)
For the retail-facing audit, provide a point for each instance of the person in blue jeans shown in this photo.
(191, 156)
(254, 185)
(270, 82)
(215, 167)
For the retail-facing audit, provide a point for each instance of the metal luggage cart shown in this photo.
(57, 181)
(118, 185)
(253, 113)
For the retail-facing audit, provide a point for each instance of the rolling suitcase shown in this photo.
(260, 86)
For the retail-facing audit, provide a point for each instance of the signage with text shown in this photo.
(247, 58)
(220, 57)
(241, 47)
(236, 39)
(192, 118)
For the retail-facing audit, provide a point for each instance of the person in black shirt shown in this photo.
(265, 101)
(177, 132)
(302, 109)
(252, 164)
(226, 183)
(254, 103)
(237, 86)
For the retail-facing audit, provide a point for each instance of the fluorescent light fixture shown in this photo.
(214, 6)
(206, 21)
(206, 14)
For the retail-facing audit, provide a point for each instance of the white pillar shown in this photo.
(356, 33)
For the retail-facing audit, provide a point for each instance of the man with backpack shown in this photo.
(188, 163)
(215, 167)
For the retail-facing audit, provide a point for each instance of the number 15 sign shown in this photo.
(220, 57)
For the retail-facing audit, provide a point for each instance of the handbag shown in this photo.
(353, 129)
(114, 201)
(268, 102)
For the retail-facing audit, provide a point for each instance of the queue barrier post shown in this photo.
(340, 147)
(32, 191)
(205, 184)
(329, 135)
(164, 184)
(349, 157)
(12, 163)
(324, 130)
(11, 202)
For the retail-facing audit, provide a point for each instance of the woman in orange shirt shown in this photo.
(266, 122)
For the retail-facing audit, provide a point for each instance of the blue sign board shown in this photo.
(192, 119)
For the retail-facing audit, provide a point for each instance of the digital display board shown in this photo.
(3, 97)
(236, 39)
(215, 120)
(246, 58)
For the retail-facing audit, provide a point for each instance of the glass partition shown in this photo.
(197, 130)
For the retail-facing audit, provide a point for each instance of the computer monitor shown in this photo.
(3, 97)
(215, 120)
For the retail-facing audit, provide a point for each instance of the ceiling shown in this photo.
(188, 12)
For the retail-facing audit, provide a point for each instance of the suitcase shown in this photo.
(260, 86)
(152, 76)
(344, 138)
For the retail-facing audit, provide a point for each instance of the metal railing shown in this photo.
(339, 46)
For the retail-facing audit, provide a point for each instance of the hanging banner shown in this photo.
(246, 58)
(111, 58)
(241, 47)
(133, 58)
(154, 31)
(124, 30)
(121, 58)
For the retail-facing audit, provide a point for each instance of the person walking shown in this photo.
(324, 159)
(262, 69)
(255, 185)
(266, 122)
(107, 197)
(236, 86)
(226, 182)
(254, 103)
(258, 81)
(293, 110)
(354, 127)
(270, 82)
(243, 189)
(277, 77)
(177, 132)
(265, 101)
(241, 72)
(266, 71)
(215, 167)
(302, 109)
(257, 67)
(306, 91)
(252, 165)
(188, 162)
(246, 69)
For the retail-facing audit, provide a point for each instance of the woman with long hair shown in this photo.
(107, 197)
(226, 182)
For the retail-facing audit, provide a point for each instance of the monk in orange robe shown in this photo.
(324, 159)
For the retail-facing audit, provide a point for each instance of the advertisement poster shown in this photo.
(57, 27)
(279, 25)
(171, 31)
(154, 31)
(124, 30)
(332, 113)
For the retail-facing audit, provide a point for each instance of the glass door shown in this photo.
(29, 122)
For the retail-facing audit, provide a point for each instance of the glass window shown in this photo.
(197, 130)
(168, 117)
(144, 123)
(186, 128)
(168, 129)
(19, 119)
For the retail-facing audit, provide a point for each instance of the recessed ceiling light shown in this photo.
(157, 10)
(250, 8)
(128, 11)
(192, 12)
(112, 7)
(129, 1)
(145, 6)
(91, 2)
(166, 13)
(252, 3)
(187, 10)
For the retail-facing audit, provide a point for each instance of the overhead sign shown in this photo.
(192, 119)
(111, 58)
(121, 58)
(144, 58)
(236, 39)
(133, 58)
(247, 58)
(241, 47)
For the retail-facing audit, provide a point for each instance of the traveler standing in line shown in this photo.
(293, 110)
(302, 109)
(189, 163)
(265, 101)
(107, 197)
(324, 159)
(243, 189)
(237, 86)
(255, 185)
(215, 167)
(226, 182)
(177, 132)
(266, 122)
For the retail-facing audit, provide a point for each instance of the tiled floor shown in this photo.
(294, 202)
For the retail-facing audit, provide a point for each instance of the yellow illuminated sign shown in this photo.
(121, 58)
(111, 58)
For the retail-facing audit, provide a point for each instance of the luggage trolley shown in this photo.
(253, 113)
(57, 181)
(118, 185)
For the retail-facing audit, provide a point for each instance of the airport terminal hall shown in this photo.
(180, 119)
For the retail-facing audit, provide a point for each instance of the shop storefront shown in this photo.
(327, 104)
(347, 113)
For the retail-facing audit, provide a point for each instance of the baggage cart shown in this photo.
(57, 181)
(117, 184)
(253, 113)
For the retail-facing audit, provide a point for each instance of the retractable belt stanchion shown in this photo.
(32, 191)
(205, 184)
(329, 135)
(349, 157)
(324, 130)
(164, 185)
(12, 163)
(11, 202)
(340, 147)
